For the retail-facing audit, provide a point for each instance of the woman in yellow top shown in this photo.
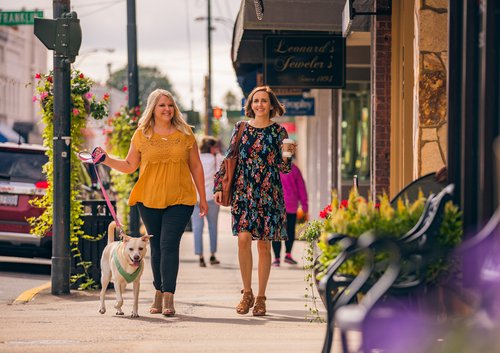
(165, 149)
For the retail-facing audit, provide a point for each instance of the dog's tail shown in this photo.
(111, 232)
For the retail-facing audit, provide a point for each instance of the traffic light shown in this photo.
(63, 35)
(217, 112)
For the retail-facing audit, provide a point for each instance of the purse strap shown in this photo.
(238, 137)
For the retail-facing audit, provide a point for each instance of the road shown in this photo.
(18, 274)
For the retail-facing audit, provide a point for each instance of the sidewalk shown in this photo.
(206, 319)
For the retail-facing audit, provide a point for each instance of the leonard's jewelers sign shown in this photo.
(304, 61)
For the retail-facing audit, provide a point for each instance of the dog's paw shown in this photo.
(102, 310)
(134, 315)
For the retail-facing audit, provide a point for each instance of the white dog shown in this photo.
(122, 262)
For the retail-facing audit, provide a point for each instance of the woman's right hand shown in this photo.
(218, 197)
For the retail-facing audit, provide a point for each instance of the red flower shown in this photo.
(49, 79)
(124, 88)
(326, 211)
(106, 96)
(81, 76)
(344, 203)
(38, 76)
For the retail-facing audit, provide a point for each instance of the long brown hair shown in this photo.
(278, 109)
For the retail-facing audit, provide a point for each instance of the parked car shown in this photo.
(21, 180)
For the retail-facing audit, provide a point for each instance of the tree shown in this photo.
(231, 101)
(150, 78)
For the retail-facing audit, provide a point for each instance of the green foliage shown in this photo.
(83, 104)
(311, 235)
(357, 215)
(122, 127)
(150, 78)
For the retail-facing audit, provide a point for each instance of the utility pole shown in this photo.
(61, 261)
(63, 35)
(208, 119)
(133, 89)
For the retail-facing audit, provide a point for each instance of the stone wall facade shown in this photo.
(431, 63)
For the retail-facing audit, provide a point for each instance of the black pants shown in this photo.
(167, 226)
(291, 219)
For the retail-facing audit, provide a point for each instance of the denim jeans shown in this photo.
(166, 226)
(198, 223)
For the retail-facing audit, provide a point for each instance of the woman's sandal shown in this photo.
(260, 306)
(156, 306)
(246, 302)
(168, 304)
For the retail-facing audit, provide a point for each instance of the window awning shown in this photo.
(285, 17)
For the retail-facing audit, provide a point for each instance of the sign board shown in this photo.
(16, 18)
(304, 61)
(294, 105)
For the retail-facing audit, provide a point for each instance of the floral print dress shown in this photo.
(257, 205)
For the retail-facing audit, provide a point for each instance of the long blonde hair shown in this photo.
(147, 122)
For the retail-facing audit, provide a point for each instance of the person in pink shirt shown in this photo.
(294, 192)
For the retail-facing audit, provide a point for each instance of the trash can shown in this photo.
(96, 219)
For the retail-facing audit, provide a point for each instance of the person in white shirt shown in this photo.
(211, 159)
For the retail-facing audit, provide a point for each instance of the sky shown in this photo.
(168, 35)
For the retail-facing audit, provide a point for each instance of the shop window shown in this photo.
(355, 135)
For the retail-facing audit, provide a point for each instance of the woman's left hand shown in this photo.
(203, 208)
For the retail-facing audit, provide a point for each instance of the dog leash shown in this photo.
(95, 158)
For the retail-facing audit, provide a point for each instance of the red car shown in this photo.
(22, 179)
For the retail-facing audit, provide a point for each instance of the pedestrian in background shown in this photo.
(165, 150)
(294, 192)
(257, 206)
(211, 160)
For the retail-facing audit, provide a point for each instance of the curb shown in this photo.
(29, 294)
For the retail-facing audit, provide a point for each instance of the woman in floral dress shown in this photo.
(257, 205)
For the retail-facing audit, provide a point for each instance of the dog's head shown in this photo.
(135, 248)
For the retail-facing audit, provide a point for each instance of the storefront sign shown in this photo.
(304, 61)
(294, 105)
(298, 106)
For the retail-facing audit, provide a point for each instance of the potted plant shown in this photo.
(357, 215)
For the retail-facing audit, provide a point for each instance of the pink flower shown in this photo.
(76, 112)
(106, 97)
(38, 76)
(124, 88)
(43, 95)
(34, 99)
(89, 95)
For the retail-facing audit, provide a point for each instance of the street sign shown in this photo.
(16, 18)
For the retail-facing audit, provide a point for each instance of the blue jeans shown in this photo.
(198, 223)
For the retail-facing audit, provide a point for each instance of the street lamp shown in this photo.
(85, 53)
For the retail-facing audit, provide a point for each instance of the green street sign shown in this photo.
(16, 18)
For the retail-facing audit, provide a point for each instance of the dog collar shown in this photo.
(129, 277)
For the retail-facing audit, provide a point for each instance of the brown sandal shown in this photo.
(246, 302)
(168, 304)
(156, 306)
(260, 306)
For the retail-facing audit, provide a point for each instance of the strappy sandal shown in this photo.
(156, 306)
(168, 304)
(260, 306)
(246, 302)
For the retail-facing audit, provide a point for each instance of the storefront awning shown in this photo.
(285, 17)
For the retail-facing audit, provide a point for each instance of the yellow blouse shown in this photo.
(164, 175)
